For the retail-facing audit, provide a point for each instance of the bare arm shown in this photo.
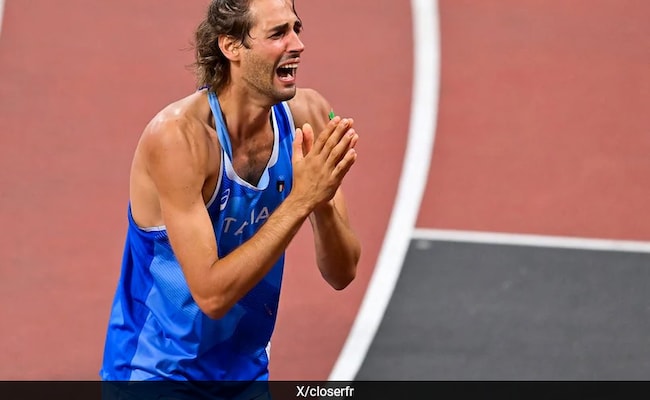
(337, 246)
(177, 161)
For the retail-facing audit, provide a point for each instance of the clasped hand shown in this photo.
(320, 163)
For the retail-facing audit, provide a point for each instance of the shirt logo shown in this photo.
(224, 199)
(280, 183)
(236, 226)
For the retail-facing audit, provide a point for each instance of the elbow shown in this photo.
(347, 275)
(342, 279)
(215, 301)
(342, 283)
(213, 307)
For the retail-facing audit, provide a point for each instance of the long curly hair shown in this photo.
(223, 17)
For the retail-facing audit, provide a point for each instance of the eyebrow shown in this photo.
(286, 26)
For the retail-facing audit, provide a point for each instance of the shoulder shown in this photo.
(309, 106)
(187, 118)
(180, 127)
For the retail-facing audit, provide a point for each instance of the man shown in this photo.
(221, 181)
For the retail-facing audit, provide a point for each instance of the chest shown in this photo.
(240, 209)
(251, 157)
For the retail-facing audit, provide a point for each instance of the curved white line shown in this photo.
(518, 239)
(426, 81)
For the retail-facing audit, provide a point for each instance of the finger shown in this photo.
(347, 142)
(297, 146)
(324, 135)
(354, 137)
(308, 138)
(332, 141)
(343, 167)
(354, 141)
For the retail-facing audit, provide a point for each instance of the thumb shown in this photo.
(308, 138)
(297, 145)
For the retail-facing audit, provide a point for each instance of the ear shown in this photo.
(229, 46)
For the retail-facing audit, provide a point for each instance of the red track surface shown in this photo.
(543, 125)
(78, 82)
(543, 128)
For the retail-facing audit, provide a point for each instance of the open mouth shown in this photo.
(287, 72)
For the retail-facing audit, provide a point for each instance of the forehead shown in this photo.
(269, 13)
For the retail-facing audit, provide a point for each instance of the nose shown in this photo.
(295, 44)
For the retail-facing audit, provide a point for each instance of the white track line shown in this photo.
(412, 182)
(564, 242)
(2, 9)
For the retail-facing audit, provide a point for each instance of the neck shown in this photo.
(243, 114)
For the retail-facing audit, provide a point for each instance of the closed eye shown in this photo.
(297, 27)
(281, 30)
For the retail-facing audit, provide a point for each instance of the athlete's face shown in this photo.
(270, 62)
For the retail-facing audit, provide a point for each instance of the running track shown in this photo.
(525, 127)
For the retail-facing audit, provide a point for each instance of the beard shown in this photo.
(262, 76)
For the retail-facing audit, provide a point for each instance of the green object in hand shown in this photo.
(331, 114)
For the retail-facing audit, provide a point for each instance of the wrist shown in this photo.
(324, 210)
(297, 208)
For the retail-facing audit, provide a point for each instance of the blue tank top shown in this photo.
(156, 331)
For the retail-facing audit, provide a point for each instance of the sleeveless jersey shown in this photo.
(156, 331)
